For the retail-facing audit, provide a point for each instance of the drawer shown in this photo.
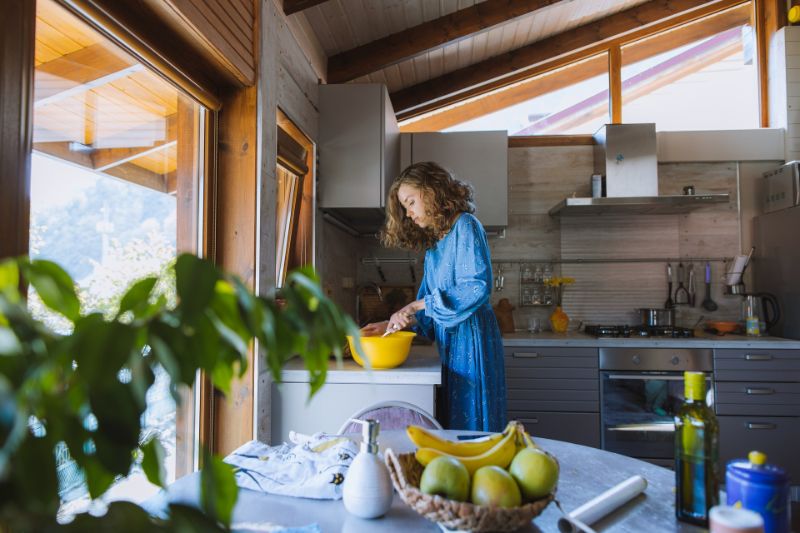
(757, 398)
(580, 428)
(550, 357)
(775, 436)
(567, 401)
(551, 374)
(757, 365)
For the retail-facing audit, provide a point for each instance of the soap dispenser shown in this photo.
(367, 490)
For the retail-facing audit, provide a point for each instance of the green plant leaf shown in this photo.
(54, 286)
(9, 280)
(218, 489)
(186, 519)
(102, 348)
(137, 298)
(195, 280)
(153, 461)
(98, 479)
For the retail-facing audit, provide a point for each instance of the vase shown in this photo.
(559, 320)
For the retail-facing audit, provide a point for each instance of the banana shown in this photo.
(425, 439)
(500, 454)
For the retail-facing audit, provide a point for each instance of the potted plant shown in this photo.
(85, 389)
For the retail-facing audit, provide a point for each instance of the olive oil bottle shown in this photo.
(696, 452)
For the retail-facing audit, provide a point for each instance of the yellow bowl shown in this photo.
(384, 352)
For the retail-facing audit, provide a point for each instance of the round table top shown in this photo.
(585, 473)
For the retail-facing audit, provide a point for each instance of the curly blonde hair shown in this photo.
(444, 196)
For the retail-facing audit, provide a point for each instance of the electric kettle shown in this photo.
(760, 311)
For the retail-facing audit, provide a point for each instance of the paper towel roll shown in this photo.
(598, 507)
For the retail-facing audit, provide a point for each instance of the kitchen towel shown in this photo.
(315, 468)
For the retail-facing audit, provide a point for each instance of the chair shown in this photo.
(391, 415)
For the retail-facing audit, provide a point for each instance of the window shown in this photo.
(707, 83)
(294, 224)
(570, 100)
(697, 75)
(115, 188)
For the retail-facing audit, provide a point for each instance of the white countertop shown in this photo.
(421, 368)
(576, 339)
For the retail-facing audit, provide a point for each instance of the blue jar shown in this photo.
(763, 488)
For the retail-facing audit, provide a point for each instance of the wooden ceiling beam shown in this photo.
(295, 6)
(80, 71)
(392, 49)
(578, 43)
(547, 80)
(105, 158)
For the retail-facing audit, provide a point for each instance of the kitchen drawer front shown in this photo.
(775, 436)
(580, 428)
(566, 400)
(515, 382)
(550, 357)
(757, 398)
(532, 375)
(757, 365)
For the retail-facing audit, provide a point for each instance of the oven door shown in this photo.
(637, 413)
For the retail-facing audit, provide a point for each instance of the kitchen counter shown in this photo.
(577, 339)
(421, 368)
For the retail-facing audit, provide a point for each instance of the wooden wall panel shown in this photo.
(236, 247)
(17, 35)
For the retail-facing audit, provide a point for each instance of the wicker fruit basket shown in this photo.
(405, 472)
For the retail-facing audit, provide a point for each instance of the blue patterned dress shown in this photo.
(459, 317)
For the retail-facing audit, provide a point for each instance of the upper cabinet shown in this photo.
(358, 147)
(478, 157)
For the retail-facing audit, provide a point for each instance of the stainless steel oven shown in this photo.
(640, 391)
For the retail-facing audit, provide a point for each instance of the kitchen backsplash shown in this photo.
(604, 292)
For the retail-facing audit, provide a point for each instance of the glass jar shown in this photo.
(526, 296)
(547, 273)
(537, 274)
(527, 275)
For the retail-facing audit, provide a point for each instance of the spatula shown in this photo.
(708, 303)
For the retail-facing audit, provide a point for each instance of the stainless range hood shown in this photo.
(626, 154)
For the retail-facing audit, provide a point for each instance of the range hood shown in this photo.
(626, 154)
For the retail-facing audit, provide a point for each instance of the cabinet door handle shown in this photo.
(527, 355)
(531, 420)
(757, 425)
(757, 357)
(759, 391)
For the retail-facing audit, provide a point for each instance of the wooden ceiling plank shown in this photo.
(294, 6)
(589, 39)
(395, 48)
(140, 176)
(80, 71)
(546, 81)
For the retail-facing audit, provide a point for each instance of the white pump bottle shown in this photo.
(367, 490)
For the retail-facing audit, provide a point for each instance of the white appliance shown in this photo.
(782, 187)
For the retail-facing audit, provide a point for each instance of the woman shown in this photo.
(428, 209)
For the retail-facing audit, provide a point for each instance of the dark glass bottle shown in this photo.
(696, 452)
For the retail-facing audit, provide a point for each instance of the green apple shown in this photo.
(535, 472)
(491, 485)
(447, 477)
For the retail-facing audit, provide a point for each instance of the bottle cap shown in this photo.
(757, 458)
(727, 519)
(695, 385)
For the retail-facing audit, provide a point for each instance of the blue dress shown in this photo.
(456, 287)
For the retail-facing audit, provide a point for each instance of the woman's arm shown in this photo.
(473, 274)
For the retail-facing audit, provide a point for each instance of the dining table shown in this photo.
(585, 472)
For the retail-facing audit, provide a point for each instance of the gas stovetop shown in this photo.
(603, 332)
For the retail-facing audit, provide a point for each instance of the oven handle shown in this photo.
(665, 427)
(645, 377)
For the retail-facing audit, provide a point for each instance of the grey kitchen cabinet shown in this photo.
(478, 157)
(757, 401)
(555, 392)
(359, 146)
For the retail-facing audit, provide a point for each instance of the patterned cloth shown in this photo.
(458, 315)
(314, 469)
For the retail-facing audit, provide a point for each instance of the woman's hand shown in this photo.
(376, 328)
(405, 316)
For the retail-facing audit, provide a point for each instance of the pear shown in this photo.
(535, 472)
(491, 485)
(447, 477)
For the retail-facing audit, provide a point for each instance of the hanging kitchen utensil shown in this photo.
(669, 304)
(708, 303)
(380, 270)
(691, 285)
(413, 273)
(681, 294)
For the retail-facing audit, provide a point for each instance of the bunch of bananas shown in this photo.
(497, 449)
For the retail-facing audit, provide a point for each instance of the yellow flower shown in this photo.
(558, 282)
